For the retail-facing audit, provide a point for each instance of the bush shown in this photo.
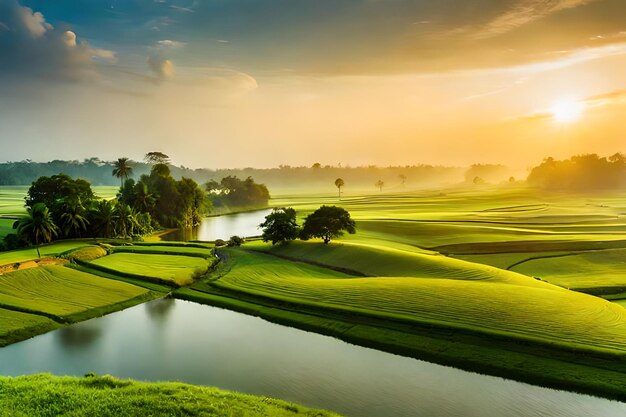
(235, 241)
(220, 242)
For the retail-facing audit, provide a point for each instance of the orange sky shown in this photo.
(504, 81)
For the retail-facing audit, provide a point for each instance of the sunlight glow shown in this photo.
(567, 110)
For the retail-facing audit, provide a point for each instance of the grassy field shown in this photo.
(604, 269)
(182, 250)
(62, 292)
(457, 296)
(16, 326)
(175, 269)
(28, 254)
(47, 395)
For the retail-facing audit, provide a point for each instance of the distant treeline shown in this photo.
(582, 173)
(98, 172)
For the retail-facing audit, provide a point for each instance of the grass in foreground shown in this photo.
(61, 292)
(47, 395)
(176, 269)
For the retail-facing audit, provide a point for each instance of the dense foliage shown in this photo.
(327, 222)
(234, 192)
(169, 202)
(580, 173)
(280, 226)
(62, 207)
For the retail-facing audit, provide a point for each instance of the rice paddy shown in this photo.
(175, 269)
(61, 292)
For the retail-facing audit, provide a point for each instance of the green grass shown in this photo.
(202, 252)
(62, 292)
(16, 326)
(47, 395)
(604, 269)
(174, 269)
(53, 249)
(517, 307)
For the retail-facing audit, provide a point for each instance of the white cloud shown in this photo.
(168, 43)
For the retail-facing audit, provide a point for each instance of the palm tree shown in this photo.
(37, 227)
(144, 199)
(122, 170)
(380, 184)
(73, 221)
(125, 220)
(339, 183)
(103, 218)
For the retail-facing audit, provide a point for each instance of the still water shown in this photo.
(223, 227)
(179, 340)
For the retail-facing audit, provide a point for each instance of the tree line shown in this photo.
(61, 207)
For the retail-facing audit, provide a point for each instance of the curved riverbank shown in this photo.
(45, 395)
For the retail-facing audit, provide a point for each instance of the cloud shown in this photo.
(523, 12)
(162, 68)
(30, 46)
(168, 43)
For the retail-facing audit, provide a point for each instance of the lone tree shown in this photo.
(123, 170)
(280, 226)
(156, 158)
(339, 183)
(327, 222)
(402, 179)
(37, 227)
(379, 184)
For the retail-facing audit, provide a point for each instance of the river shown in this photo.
(180, 340)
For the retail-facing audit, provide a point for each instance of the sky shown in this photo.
(260, 83)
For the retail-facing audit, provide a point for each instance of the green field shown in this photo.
(603, 269)
(175, 269)
(47, 395)
(28, 254)
(15, 325)
(61, 292)
(457, 297)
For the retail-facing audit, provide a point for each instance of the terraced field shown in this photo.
(603, 269)
(28, 254)
(175, 269)
(184, 250)
(61, 292)
(520, 307)
(12, 323)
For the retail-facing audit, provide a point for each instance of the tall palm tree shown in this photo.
(37, 227)
(339, 183)
(123, 170)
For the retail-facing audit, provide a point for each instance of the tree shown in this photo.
(339, 183)
(402, 179)
(102, 218)
(73, 221)
(125, 220)
(123, 170)
(316, 165)
(327, 222)
(280, 226)
(379, 184)
(157, 158)
(37, 227)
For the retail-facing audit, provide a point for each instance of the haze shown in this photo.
(262, 83)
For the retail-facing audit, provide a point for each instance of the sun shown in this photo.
(567, 110)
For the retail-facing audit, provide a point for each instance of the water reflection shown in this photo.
(210, 346)
(223, 227)
(160, 309)
(79, 336)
